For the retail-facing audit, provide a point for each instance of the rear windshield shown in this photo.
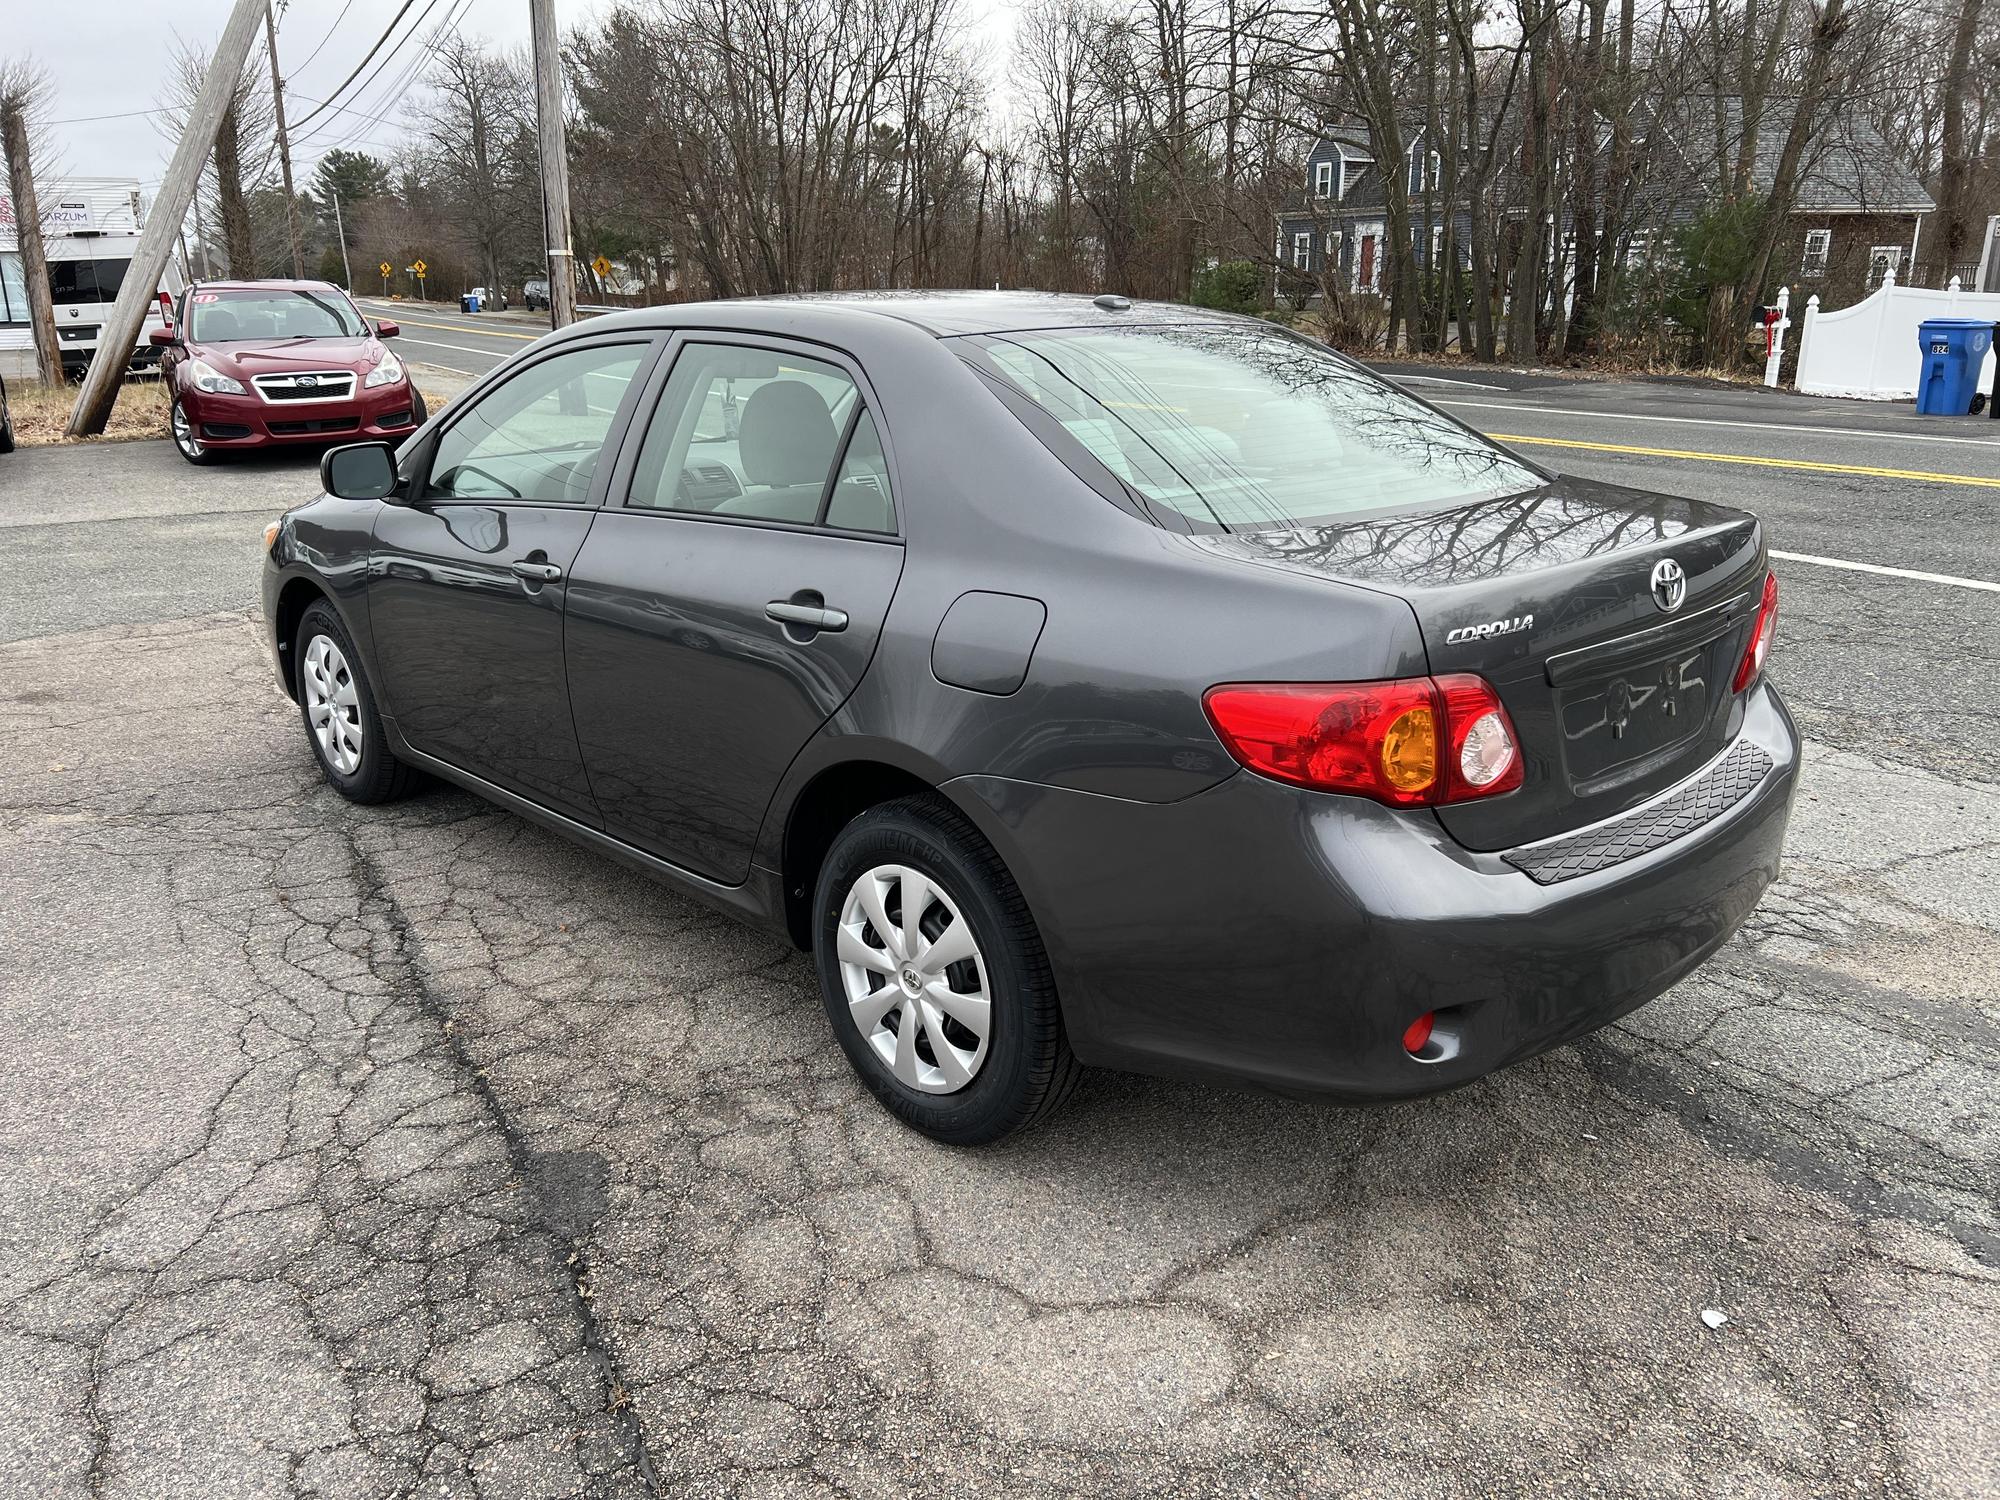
(221, 317)
(1245, 428)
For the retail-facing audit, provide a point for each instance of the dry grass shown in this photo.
(41, 412)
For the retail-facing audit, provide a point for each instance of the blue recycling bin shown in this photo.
(469, 303)
(1953, 351)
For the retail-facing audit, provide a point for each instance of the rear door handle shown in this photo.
(536, 572)
(806, 616)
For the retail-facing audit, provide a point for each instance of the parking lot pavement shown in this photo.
(368, 1151)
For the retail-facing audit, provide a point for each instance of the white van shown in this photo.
(90, 227)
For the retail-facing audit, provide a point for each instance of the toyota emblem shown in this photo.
(1670, 585)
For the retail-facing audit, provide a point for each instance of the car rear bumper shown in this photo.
(223, 421)
(1259, 932)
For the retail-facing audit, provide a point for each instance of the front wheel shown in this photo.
(934, 977)
(339, 710)
(6, 423)
(180, 426)
(420, 411)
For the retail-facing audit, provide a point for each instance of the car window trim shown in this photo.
(651, 344)
(677, 341)
(840, 448)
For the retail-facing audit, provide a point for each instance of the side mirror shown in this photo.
(359, 471)
(163, 338)
(387, 330)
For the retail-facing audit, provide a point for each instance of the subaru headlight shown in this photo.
(386, 373)
(205, 377)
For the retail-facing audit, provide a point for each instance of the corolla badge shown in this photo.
(1670, 585)
(1489, 629)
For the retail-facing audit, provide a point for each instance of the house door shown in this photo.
(1367, 281)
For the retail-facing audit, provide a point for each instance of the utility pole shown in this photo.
(28, 226)
(555, 165)
(284, 148)
(120, 332)
(340, 233)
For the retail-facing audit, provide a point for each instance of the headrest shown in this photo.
(786, 435)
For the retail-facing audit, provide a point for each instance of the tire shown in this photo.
(359, 765)
(180, 428)
(420, 412)
(943, 1079)
(6, 423)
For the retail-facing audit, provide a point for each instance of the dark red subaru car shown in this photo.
(249, 364)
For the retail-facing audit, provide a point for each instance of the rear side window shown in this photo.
(1246, 428)
(764, 434)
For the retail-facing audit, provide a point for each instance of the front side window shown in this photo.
(1246, 428)
(759, 433)
(222, 316)
(538, 436)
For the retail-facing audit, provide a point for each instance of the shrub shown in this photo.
(1236, 286)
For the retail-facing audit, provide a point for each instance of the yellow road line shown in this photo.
(1744, 458)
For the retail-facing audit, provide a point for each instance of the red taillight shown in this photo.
(1419, 1032)
(1413, 742)
(1759, 648)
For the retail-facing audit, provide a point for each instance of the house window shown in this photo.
(1323, 179)
(1819, 243)
(1883, 262)
(1302, 249)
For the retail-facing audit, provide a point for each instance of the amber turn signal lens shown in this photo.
(271, 535)
(1409, 750)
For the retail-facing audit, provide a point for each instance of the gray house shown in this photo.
(1859, 211)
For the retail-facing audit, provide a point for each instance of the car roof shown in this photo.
(221, 284)
(943, 314)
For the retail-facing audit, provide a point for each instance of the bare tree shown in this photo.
(23, 86)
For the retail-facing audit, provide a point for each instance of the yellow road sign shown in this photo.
(385, 268)
(419, 267)
(601, 266)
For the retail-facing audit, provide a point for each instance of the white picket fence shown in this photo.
(1870, 350)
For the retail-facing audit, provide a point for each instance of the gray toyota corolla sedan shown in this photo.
(1080, 681)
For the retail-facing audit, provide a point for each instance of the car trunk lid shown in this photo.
(1550, 596)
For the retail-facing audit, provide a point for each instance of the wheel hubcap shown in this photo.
(333, 706)
(914, 979)
(184, 431)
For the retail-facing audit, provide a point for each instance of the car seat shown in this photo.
(785, 443)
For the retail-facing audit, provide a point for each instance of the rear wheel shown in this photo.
(934, 977)
(340, 716)
(180, 427)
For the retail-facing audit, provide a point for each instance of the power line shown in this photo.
(401, 85)
(394, 22)
(301, 67)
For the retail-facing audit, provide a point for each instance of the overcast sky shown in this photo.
(114, 64)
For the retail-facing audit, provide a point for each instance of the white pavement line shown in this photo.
(1448, 380)
(1862, 567)
(1625, 416)
(494, 354)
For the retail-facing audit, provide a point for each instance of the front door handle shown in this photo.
(806, 616)
(536, 572)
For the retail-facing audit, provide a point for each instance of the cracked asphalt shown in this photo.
(412, 1151)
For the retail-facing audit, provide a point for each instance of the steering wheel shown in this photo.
(495, 479)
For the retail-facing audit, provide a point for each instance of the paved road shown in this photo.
(350, 1151)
